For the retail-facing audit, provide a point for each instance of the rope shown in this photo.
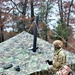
(71, 46)
(37, 29)
(30, 26)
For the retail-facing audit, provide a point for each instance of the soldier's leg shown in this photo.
(51, 71)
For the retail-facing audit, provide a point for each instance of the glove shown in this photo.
(49, 62)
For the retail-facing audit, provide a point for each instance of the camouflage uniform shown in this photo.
(59, 58)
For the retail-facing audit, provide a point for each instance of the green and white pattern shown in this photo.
(16, 51)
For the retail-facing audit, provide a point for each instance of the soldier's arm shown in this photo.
(61, 60)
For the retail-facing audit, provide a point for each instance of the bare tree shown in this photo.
(60, 9)
(69, 12)
(65, 5)
(22, 11)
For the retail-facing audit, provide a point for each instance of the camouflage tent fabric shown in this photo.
(16, 51)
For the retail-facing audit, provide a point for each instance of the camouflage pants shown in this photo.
(51, 72)
(44, 72)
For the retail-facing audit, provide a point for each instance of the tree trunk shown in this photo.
(24, 13)
(32, 11)
(60, 10)
(2, 37)
(46, 12)
(24, 7)
(69, 13)
(68, 18)
(1, 30)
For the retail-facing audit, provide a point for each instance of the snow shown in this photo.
(8, 29)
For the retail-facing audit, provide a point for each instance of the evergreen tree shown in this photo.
(61, 32)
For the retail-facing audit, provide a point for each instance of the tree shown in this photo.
(62, 29)
(1, 29)
(24, 13)
(3, 17)
(21, 8)
(32, 10)
(63, 6)
(45, 8)
(68, 18)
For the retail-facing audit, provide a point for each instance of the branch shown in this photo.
(15, 5)
(60, 9)
(69, 13)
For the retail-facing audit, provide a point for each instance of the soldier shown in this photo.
(59, 58)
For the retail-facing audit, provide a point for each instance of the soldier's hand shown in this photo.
(49, 62)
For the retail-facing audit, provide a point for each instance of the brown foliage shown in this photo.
(8, 35)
